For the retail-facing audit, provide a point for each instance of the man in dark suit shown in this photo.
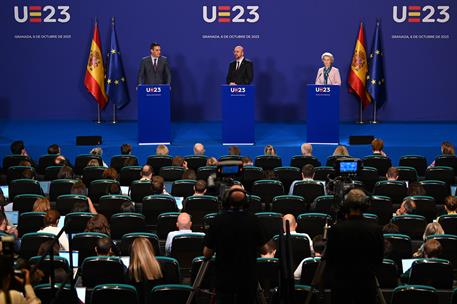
(154, 68)
(240, 70)
(355, 249)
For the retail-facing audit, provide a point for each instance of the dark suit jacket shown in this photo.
(150, 75)
(244, 75)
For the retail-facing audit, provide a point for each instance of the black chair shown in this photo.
(436, 189)
(267, 190)
(47, 266)
(124, 223)
(441, 173)
(255, 204)
(382, 207)
(418, 162)
(159, 161)
(309, 190)
(292, 204)
(408, 174)
(250, 175)
(66, 202)
(324, 204)
(299, 161)
(387, 274)
(101, 187)
(154, 205)
(271, 223)
(112, 204)
(170, 270)
(431, 272)
(417, 294)
(396, 190)
(24, 202)
(370, 217)
(127, 240)
(171, 173)
(164, 294)
(166, 222)
(449, 223)
(139, 189)
(92, 173)
(449, 244)
(114, 293)
(208, 220)
(208, 282)
(17, 172)
(129, 174)
(268, 274)
(30, 222)
(186, 247)
(13, 160)
(51, 173)
(300, 245)
(76, 222)
(98, 270)
(205, 172)
(31, 242)
(323, 173)
(60, 187)
(425, 206)
(331, 160)
(268, 162)
(229, 157)
(287, 175)
(195, 162)
(447, 161)
(47, 294)
(369, 177)
(85, 242)
(198, 206)
(183, 188)
(411, 225)
(312, 223)
(120, 161)
(381, 163)
(309, 267)
(23, 186)
(399, 247)
(82, 160)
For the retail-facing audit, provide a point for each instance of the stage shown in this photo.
(400, 138)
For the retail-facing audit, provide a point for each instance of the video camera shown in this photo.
(347, 167)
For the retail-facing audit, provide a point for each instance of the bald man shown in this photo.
(241, 70)
(184, 225)
(199, 149)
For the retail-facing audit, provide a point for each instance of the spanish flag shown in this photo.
(359, 68)
(95, 71)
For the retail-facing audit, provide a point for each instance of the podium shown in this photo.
(154, 114)
(323, 108)
(238, 114)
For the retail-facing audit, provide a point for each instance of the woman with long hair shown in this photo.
(98, 223)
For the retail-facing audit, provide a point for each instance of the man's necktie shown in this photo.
(155, 63)
(237, 65)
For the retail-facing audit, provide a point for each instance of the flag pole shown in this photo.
(99, 120)
(114, 114)
(374, 121)
(360, 121)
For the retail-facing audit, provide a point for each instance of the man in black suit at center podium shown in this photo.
(154, 69)
(241, 70)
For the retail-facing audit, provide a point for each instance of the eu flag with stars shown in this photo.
(376, 85)
(116, 85)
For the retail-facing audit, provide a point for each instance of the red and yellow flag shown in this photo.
(94, 80)
(359, 68)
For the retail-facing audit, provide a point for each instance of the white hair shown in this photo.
(328, 54)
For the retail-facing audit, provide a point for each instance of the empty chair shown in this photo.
(418, 162)
(417, 294)
(102, 270)
(439, 190)
(255, 204)
(127, 240)
(323, 173)
(300, 248)
(387, 274)
(250, 175)
(13, 160)
(198, 206)
(407, 174)
(166, 222)
(411, 225)
(173, 293)
(298, 161)
(271, 223)
(66, 202)
(309, 190)
(24, 202)
(447, 161)
(432, 272)
(139, 189)
(285, 204)
(195, 162)
(324, 204)
(31, 242)
(171, 173)
(382, 207)
(159, 161)
(441, 173)
(76, 222)
(154, 205)
(23, 186)
(208, 220)
(46, 266)
(51, 173)
(47, 294)
(308, 269)
(128, 174)
(267, 190)
(101, 187)
(185, 247)
(123, 223)
(268, 162)
(381, 163)
(287, 175)
(183, 188)
(85, 242)
(82, 160)
(268, 274)
(399, 247)
(17, 172)
(112, 203)
(60, 187)
(120, 161)
(449, 223)
(205, 172)
(312, 223)
(170, 270)
(396, 190)
(92, 173)
(425, 206)
(208, 282)
(369, 177)
(114, 293)
(449, 244)
(30, 222)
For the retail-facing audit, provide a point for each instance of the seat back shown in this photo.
(23, 186)
(439, 190)
(127, 240)
(30, 222)
(183, 188)
(309, 267)
(31, 242)
(312, 223)
(171, 293)
(309, 190)
(208, 282)
(387, 274)
(166, 222)
(299, 161)
(66, 202)
(417, 294)
(47, 294)
(324, 204)
(46, 266)
(431, 272)
(323, 173)
(418, 162)
(271, 223)
(82, 160)
(381, 163)
(449, 244)
(85, 242)
(92, 173)
(396, 190)
(17, 172)
(251, 174)
(411, 225)
(292, 204)
(123, 223)
(139, 189)
(268, 162)
(101, 187)
(170, 270)
(114, 293)
(208, 220)
(128, 174)
(195, 162)
(447, 161)
(287, 175)
(154, 205)
(112, 204)
(13, 160)
(171, 173)
(60, 187)
(268, 274)
(51, 173)
(186, 247)
(76, 222)
(382, 207)
(198, 206)
(399, 247)
(98, 270)
(408, 174)
(425, 206)
(449, 223)
(205, 172)
(267, 190)
(159, 161)
(441, 173)
(120, 161)
(24, 202)
(369, 177)
(300, 245)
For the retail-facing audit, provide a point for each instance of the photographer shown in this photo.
(236, 236)
(354, 251)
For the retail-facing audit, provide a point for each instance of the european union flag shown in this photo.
(116, 85)
(376, 85)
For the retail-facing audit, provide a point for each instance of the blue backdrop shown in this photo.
(43, 63)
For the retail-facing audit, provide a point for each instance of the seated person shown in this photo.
(293, 227)
(104, 247)
(98, 223)
(199, 149)
(51, 221)
(307, 173)
(200, 187)
(432, 250)
(430, 229)
(392, 174)
(377, 146)
(41, 205)
(6, 227)
(407, 207)
(450, 204)
(127, 207)
(306, 149)
(184, 225)
(269, 250)
(146, 173)
(318, 245)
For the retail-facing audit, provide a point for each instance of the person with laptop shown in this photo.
(51, 222)
(5, 225)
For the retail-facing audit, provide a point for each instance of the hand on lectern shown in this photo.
(232, 83)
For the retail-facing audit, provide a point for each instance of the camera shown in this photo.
(347, 166)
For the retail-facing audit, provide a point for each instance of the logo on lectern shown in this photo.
(238, 90)
(323, 89)
(153, 90)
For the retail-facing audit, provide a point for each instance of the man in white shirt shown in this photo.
(307, 173)
(51, 221)
(293, 229)
(184, 225)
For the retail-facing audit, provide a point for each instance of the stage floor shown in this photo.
(400, 138)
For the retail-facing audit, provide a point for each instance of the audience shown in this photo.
(416, 188)
(306, 149)
(158, 185)
(110, 173)
(390, 228)
(98, 151)
(247, 161)
(104, 247)
(430, 229)
(392, 174)
(407, 207)
(18, 148)
(234, 150)
(293, 227)
(126, 149)
(199, 149)
(307, 173)
(200, 187)
(450, 204)
(93, 163)
(127, 207)
(377, 146)
(340, 150)
(66, 172)
(211, 161)
(184, 225)
(54, 149)
(79, 188)
(269, 150)
(162, 150)
(98, 223)
(51, 220)
(41, 205)
(6, 227)
(319, 245)
(146, 173)
(270, 250)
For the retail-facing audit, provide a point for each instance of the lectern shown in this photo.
(154, 116)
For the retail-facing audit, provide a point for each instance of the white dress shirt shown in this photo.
(63, 239)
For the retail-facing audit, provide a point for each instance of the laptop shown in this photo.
(66, 255)
(12, 217)
(406, 264)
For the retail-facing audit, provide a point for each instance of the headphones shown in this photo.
(228, 203)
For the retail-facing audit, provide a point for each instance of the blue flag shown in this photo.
(116, 85)
(376, 85)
